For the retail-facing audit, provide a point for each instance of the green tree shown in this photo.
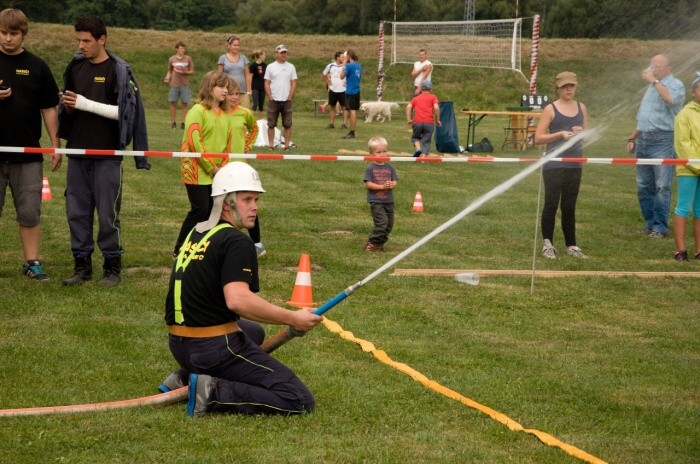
(499, 9)
(449, 10)
(193, 14)
(665, 19)
(652, 19)
(246, 15)
(318, 16)
(119, 13)
(276, 16)
(40, 11)
(571, 18)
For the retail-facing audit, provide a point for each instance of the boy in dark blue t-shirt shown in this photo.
(380, 179)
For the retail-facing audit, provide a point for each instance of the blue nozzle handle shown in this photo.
(286, 334)
(330, 303)
(336, 299)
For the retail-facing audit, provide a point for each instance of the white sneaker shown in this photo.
(575, 252)
(260, 249)
(548, 250)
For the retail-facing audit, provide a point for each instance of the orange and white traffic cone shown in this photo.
(418, 203)
(302, 294)
(46, 190)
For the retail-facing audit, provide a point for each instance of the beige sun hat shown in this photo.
(566, 77)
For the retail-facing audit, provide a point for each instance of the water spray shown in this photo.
(289, 332)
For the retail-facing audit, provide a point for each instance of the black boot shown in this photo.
(112, 268)
(82, 271)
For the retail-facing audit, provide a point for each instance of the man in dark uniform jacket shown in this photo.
(214, 283)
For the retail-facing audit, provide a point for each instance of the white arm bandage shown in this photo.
(100, 109)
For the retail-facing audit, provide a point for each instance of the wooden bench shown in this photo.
(317, 104)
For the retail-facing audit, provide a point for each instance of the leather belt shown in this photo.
(203, 332)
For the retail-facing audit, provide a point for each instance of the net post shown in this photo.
(514, 46)
(393, 42)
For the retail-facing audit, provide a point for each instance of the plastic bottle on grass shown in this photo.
(471, 278)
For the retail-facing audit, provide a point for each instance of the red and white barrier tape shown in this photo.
(275, 156)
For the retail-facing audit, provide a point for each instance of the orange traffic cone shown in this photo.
(418, 203)
(301, 295)
(46, 190)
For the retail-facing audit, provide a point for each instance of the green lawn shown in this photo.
(608, 365)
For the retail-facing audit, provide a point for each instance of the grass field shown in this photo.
(608, 365)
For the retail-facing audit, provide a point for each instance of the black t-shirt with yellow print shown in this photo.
(33, 89)
(207, 265)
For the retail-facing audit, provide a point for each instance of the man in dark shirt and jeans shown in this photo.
(101, 109)
(28, 93)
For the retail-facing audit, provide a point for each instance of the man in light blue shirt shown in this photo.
(653, 138)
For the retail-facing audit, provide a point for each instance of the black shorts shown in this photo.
(336, 97)
(353, 102)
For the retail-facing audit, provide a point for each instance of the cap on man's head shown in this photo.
(281, 48)
(567, 77)
(426, 85)
(696, 80)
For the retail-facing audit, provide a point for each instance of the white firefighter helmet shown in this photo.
(236, 177)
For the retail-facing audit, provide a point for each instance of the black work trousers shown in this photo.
(247, 380)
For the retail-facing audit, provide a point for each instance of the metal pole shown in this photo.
(534, 243)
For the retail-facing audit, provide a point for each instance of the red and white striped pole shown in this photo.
(534, 63)
(380, 70)
(534, 54)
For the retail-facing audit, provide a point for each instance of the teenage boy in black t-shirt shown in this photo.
(28, 93)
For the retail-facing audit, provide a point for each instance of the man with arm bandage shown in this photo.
(101, 108)
(84, 104)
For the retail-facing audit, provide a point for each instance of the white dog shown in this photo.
(379, 110)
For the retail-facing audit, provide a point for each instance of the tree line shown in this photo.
(650, 19)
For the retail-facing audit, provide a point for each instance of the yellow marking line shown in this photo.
(381, 355)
